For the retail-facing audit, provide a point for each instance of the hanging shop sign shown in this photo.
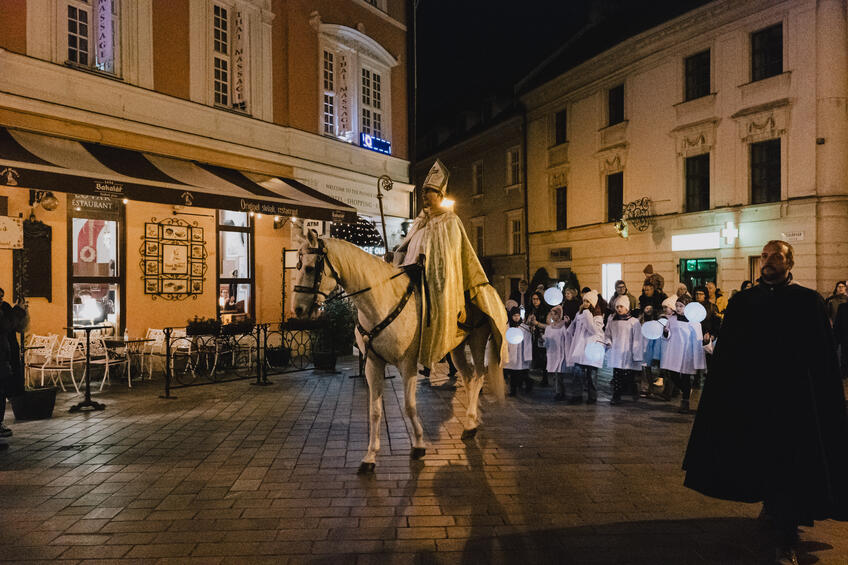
(173, 259)
(240, 64)
(11, 233)
(375, 143)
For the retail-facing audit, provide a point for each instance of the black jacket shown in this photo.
(13, 319)
(771, 420)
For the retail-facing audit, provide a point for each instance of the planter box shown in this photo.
(324, 360)
(35, 404)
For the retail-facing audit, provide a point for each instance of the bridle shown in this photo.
(320, 262)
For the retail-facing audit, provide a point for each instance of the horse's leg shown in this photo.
(409, 371)
(471, 382)
(375, 374)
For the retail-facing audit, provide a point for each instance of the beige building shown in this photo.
(711, 134)
(170, 147)
(487, 184)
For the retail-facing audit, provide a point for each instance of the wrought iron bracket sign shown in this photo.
(173, 259)
(638, 213)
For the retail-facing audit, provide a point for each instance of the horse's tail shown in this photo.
(494, 370)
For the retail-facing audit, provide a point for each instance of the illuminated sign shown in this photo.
(694, 241)
(375, 143)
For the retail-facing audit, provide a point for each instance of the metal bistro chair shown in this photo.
(182, 354)
(39, 352)
(152, 349)
(69, 353)
(102, 355)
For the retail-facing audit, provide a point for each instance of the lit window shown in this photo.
(235, 264)
(370, 99)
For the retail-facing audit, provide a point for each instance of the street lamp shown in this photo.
(384, 183)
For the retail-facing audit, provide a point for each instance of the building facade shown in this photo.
(172, 148)
(487, 185)
(708, 136)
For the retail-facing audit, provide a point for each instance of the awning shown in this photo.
(44, 162)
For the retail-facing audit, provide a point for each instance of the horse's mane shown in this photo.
(356, 266)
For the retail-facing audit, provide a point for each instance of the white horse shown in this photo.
(388, 306)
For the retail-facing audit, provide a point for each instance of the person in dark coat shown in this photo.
(522, 295)
(771, 425)
(840, 330)
(571, 303)
(651, 297)
(13, 319)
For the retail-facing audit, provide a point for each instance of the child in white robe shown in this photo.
(624, 333)
(555, 346)
(684, 352)
(517, 369)
(588, 328)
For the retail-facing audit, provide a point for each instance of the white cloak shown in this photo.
(626, 349)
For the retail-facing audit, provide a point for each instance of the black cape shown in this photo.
(771, 423)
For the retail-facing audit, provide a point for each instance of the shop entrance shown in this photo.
(696, 272)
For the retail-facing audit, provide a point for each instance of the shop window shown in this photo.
(235, 265)
(95, 262)
(767, 52)
(765, 171)
(698, 75)
(92, 38)
(698, 183)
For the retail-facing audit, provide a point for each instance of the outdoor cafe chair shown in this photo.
(152, 349)
(64, 359)
(103, 356)
(38, 352)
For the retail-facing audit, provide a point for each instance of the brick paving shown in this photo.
(233, 473)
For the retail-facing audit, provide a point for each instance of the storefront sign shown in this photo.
(316, 225)
(362, 196)
(375, 143)
(343, 94)
(11, 233)
(792, 236)
(88, 203)
(240, 63)
(105, 48)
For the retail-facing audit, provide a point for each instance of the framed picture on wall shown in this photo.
(151, 248)
(175, 286)
(174, 259)
(151, 267)
(197, 286)
(197, 252)
(175, 232)
(151, 286)
(197, 234)
(151, 231)
(197, 269)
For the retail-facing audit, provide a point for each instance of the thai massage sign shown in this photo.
(173, 259)
(11, 233)
(240, 68)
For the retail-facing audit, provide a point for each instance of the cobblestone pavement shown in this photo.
(233, 473)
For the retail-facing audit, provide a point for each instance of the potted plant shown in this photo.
(239, 327)
(34, 403)
(203, 326)
(335, 337)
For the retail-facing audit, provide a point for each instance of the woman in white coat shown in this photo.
(683, 354)
(588, 327)
(624, 333)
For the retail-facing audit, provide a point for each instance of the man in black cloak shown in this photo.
(771, 425)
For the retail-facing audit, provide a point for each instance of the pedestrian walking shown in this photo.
(684, 354)
(588, 327)
(771, 425)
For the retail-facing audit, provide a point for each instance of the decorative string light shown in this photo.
(363, 233)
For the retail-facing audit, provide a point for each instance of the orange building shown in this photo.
(156, 156)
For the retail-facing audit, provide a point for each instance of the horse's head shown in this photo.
(315, 279)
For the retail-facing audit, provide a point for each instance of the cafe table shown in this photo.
(88, 403)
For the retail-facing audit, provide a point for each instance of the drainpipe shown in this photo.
(525, 190)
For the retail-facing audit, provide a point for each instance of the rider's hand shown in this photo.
(389, 257)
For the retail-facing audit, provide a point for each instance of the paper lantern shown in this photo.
(694, 312)
(663, 322)
(652, 329)
(514, 335)
(553, 296)
(595, 353)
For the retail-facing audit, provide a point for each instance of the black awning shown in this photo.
(43, 162)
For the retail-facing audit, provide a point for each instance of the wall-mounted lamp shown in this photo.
(729, 232)
(43, 198)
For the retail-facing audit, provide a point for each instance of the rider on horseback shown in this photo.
(452, 278)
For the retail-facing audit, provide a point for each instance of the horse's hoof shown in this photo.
(418, 452)
(469, 434)
(366, 469)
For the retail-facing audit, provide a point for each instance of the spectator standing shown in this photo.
(535, 320)
(651, 297)
(555, 347)
(522, 295)
(13, 319)
(717, 297)
(837, 299)
(840, 331)
(771, 425)
(621, 290)
(570, 304)
(624, 334)
(683, 290)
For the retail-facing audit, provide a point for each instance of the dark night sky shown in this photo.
(470, 48)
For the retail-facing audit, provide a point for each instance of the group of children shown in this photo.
(577, 348)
